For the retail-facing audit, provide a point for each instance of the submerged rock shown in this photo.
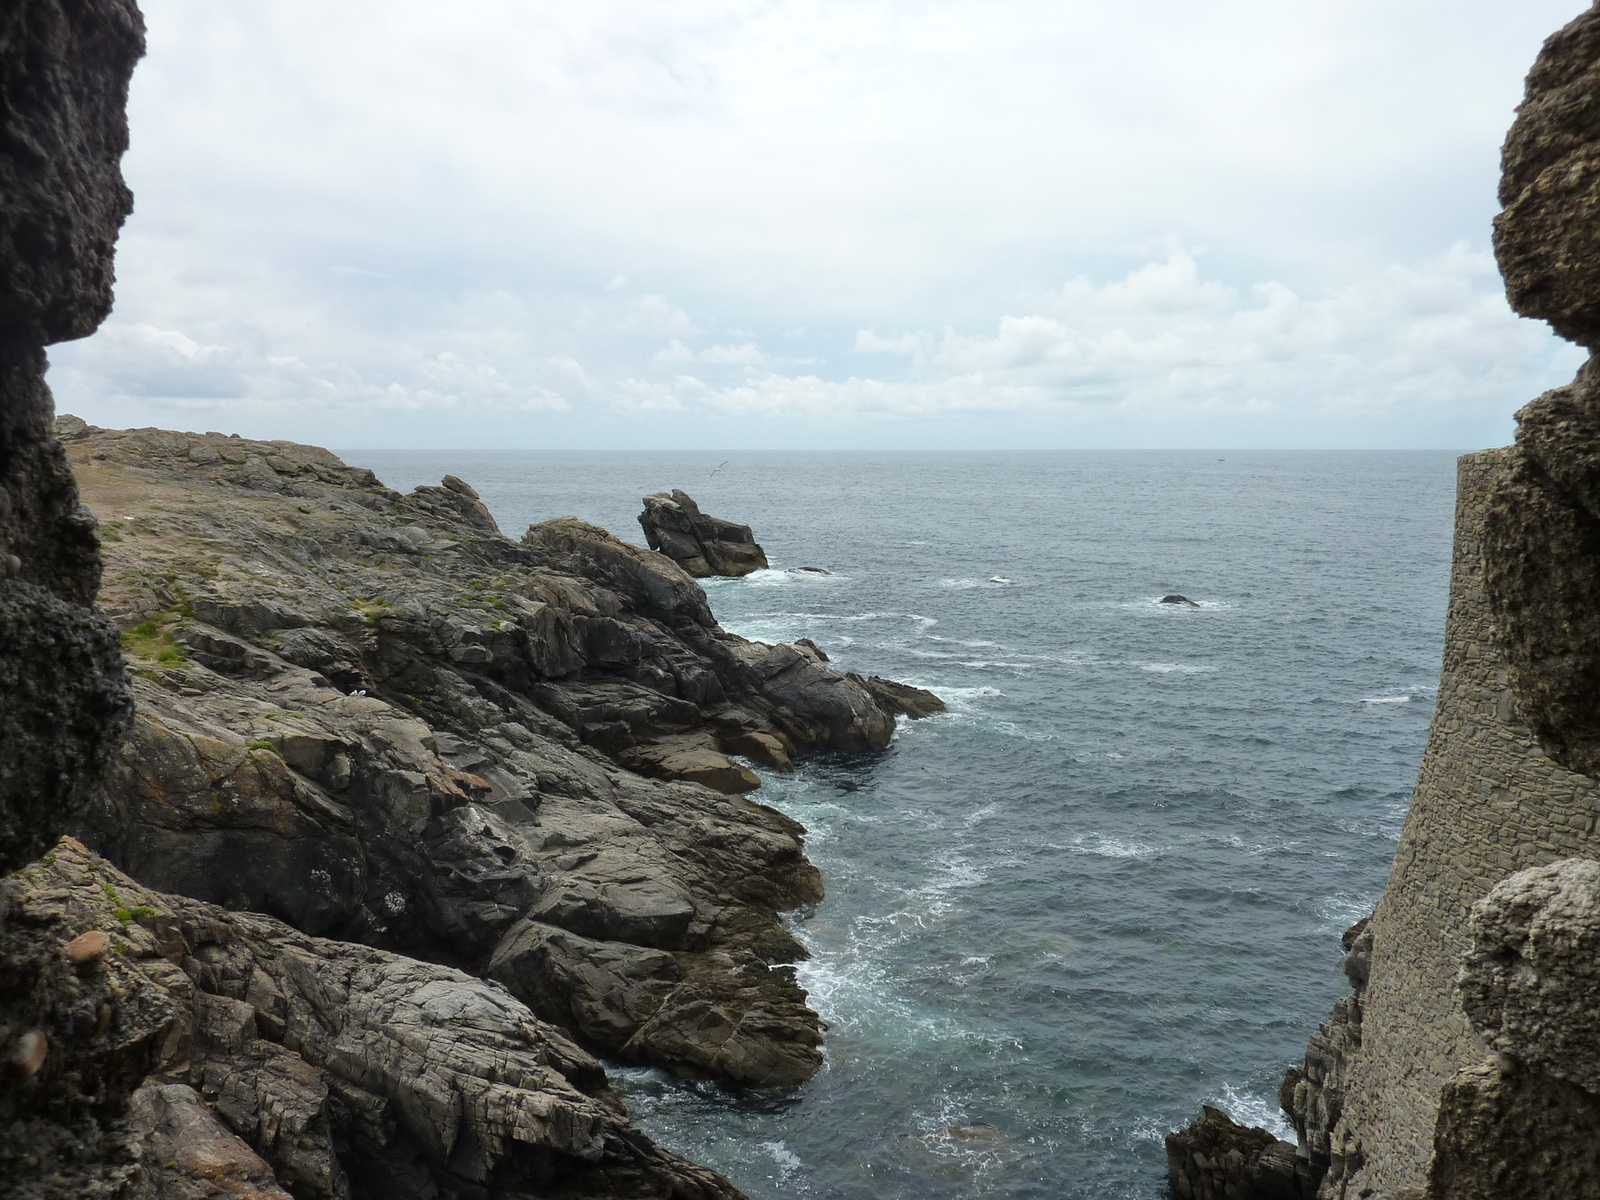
(701, 545)
(1174, 598)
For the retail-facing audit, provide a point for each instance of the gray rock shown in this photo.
(674, 525)
(338, 1068)
(1531, 981)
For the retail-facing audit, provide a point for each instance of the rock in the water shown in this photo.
(701, 545)
(812, 570)
(1174, 598)
(901, 698)
(1216, 1157)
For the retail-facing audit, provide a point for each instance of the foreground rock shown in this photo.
(701, 545)
(374, 717)
(64, 72)
(268, 1063)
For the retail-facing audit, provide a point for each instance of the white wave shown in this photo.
(1341, 912)
(1385, 700)
(980, 645)
(961, 695)
(964, 584)
(788, 1161)
(1166, 668)
(1250, 1109)
(984, 664)
(1103, 846)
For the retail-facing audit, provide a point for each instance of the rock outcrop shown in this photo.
(1462, 1064)
(266, 1063)
(703, 546)
(373, 716)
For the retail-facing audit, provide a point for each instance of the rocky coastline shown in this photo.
(1461, 1065)
(372, 734)
(389, 822)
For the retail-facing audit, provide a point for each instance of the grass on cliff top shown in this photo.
(152, 642)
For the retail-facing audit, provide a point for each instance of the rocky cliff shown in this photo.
(1460, 1067)
(375, 717)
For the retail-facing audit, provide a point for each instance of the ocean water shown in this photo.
(1108, 885)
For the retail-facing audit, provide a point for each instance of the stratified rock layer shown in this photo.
(274, 1063)
(375, 717)
(674, 525)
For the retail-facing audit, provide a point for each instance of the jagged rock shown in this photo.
(371, 715)
(1547, 235)
(1214, 1158)
(674, 525)
(1177, 599)
(1531, 981)
(1504, 1133)
(64, 72)
(901, 698)
(344, 1069)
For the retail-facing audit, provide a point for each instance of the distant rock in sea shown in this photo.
(1174, 598)
(703, 546)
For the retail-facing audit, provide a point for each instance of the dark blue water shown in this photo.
(1108, 885)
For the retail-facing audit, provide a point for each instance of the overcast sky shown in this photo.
(874, 223)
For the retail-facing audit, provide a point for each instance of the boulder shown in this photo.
(703, 546)
(1174, 598)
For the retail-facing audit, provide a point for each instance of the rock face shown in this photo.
(64, 71)
(374, 717)
(1462, 1064)
(701, 545)
(274, 1064)
(1216, 1158)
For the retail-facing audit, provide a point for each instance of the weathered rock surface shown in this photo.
(1215, 1158)
(674, 525)
(64, 71)
(1530, 983)
(276, 1063)
(375, 717)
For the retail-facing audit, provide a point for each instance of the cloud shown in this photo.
(806, 210)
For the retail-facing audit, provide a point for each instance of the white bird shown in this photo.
(717, 468)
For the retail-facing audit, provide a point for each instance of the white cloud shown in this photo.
(414, 216)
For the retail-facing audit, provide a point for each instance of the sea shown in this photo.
(1108, 885)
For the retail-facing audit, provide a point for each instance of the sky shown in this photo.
(876, 224)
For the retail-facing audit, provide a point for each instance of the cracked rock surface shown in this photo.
(274, 1063)
(377, 718)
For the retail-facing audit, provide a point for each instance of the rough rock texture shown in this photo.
(1508, 1134)
(1524, 1124)
(1215, 1158)
(1530, 983)
(1542, 539)
(277, 1063)
(701, 545)
(375, 717)
(1488, 802)
(1546, 235)
(64, 71)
